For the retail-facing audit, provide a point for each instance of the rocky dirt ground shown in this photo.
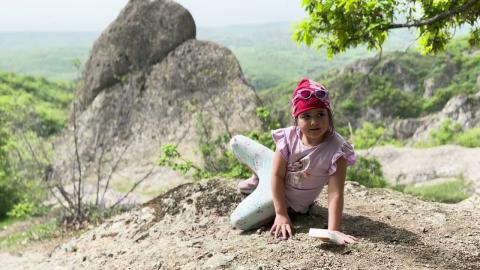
(187, 228)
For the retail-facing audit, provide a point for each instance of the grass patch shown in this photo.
(447, 192)
(35, 232)
(154, 192)
(6, 222)
(123, 186)
(469, 138)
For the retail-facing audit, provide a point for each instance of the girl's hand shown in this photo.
(282, 225)
(343, 239)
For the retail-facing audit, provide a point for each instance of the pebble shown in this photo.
(217, 261)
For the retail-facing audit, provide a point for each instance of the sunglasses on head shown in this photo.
(305, 93)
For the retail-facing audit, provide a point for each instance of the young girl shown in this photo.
(308, 156)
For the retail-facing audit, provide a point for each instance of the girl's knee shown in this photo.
(235, 141)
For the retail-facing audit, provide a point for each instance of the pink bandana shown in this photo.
(309, 95)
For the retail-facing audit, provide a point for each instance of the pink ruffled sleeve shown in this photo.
(279, 137)
(346, 151)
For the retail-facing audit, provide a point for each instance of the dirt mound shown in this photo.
(188, 228)
(213, 197)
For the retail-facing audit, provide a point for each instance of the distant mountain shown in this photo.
(47, 54)
(18, 41)
(269, 56)
(266, 52)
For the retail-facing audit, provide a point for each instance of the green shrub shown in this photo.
(394, 102)
(446, 132)
(9, 193)
(436, 102)
(448, 192)
(26, 209)
(367, 136)
(21, 187)
(171, 158)
(9, 196)
(368, 172)
(349, 107)
(469, 138)
(50, 120)
(370, 135)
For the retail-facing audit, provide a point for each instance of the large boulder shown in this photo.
(138, 38)
(188, 95)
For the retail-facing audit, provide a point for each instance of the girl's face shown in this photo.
(314, 125)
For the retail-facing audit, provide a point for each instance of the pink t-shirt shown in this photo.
(308, 167)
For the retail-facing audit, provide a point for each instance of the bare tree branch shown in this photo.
(68, 208)
(77, 155)
(114, 168)
(73, 178)
(99, 175)
(99, 165)
(65, 195)
(29, 146)
(208, 137)
(436, 18)
(135, 186)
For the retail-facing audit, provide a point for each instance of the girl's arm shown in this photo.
(336, 184)
(282, 224)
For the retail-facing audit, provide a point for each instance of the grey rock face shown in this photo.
(405, 128)
(430, 85)
(360, 66)
(462, 109)
(143, 34)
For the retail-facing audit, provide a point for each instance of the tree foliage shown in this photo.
(338, 25)
(7, 197)
(31, 111)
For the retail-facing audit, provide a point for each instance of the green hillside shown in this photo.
(36, 104)
(392, 88)
(49, 55)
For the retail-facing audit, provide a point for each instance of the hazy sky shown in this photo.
(95, 15)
